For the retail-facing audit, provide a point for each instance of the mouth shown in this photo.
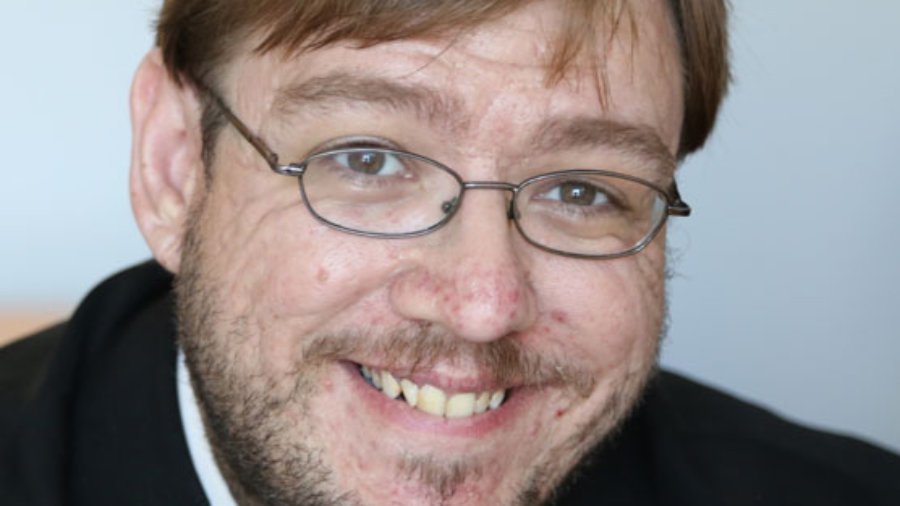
(432, 400)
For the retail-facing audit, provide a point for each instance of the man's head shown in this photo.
(283, 318)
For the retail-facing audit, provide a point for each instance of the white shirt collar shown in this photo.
(211, 478)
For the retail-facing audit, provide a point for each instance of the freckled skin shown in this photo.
(278, 278)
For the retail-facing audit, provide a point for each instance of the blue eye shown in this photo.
(373, 163)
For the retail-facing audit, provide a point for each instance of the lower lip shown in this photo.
(398, 412)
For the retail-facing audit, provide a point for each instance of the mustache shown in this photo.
(420, 346)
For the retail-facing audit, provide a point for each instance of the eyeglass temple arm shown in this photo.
(257, 143)
(677, 207)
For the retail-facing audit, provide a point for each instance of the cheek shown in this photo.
(285, 276)
(328, 274)
(608, 314)
(320, 274)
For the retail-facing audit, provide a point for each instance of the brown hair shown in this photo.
(197, 37)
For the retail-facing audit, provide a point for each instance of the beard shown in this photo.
(268, 442)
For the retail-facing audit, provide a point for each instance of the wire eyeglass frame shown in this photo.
(675, 206)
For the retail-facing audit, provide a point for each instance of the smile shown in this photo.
(430, 399)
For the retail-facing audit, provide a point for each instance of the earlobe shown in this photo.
(166, 161)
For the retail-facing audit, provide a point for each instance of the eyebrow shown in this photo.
(340, 89)
(586, 132)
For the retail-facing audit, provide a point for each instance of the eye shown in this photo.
(576, 193)
(373, 163)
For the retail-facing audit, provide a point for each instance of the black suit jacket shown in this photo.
(89, 416)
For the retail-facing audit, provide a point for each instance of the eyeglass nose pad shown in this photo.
(449, 206)
(512, 213)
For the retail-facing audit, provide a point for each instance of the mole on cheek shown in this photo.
(323, 275)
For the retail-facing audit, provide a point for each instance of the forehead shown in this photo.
(482, 78)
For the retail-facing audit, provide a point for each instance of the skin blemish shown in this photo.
(560, 413)
(427, 284)
(323, 275)
(559, 316)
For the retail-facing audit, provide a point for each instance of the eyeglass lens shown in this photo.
(377, 191)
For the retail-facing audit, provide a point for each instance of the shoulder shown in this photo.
(23, 364)
(746, 451)
(23, 361)
(48, 361)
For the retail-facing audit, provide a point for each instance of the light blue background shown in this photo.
(787, 287)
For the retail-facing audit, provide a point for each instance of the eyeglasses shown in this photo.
(391, 194)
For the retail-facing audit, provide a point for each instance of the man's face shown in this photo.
(279, 313)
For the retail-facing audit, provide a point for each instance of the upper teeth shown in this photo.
(433, 400)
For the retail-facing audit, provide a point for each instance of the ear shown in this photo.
(166, 163)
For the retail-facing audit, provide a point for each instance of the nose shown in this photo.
(470, 276)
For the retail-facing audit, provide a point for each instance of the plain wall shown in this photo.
(787, 278)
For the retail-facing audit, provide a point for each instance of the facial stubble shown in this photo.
(257, 423)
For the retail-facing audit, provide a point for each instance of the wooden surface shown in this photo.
(16, 324)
